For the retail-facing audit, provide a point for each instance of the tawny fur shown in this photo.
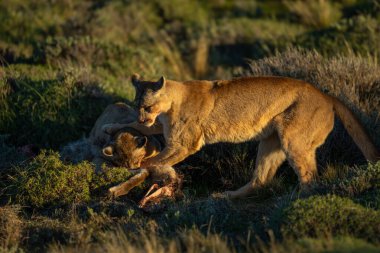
(289, 117)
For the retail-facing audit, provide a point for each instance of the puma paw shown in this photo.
(114, 192)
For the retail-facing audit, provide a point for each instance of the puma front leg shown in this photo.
(269, 157)
(181, 144)
(167, 157)
(145, 130)
(114, 127)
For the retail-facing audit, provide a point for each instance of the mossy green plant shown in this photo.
(325, 215)
(47, 181)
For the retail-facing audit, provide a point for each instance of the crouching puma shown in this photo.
(128, 148)
(132, 148)
(90, 148)
(289, 117)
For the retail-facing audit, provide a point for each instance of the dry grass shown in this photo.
(10, 227)
(316, 13)
(355, 79)
(201, 57)
(191, 241)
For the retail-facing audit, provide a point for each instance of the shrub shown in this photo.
(358, 180)
(324, 215)
(113, 63)
(359, 34)
(354, 78)
(21, 28)
(123, 22)
(192, 14)
(370, 199)
(315, 245)
(46, 181)
(245, 30)
(47, 113)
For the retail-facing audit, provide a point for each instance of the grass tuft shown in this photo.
(320, 216)
(47, 181)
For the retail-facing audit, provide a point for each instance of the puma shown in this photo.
(289, 117)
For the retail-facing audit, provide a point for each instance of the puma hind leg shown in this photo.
(302, 129)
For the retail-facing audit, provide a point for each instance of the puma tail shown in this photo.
(356, 131)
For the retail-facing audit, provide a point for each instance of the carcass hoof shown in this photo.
(156, 198)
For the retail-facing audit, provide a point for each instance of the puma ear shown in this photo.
(108, 151)
(141, 141)
(160, 83)
(135, 79)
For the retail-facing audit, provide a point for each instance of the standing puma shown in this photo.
(289, 117)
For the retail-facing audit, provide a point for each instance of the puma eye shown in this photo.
(149, 109)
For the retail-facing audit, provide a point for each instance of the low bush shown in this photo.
(123, 22)
(321, 13)
(370, 199)
(359, 34)
(49, 112)
(357, 180)
(325, 215)
(47, 181)
(21, 28)
(319, 245)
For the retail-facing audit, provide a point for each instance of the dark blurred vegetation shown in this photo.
(63, 62)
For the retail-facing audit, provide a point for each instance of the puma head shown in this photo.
(151, 99)
(127, 149)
